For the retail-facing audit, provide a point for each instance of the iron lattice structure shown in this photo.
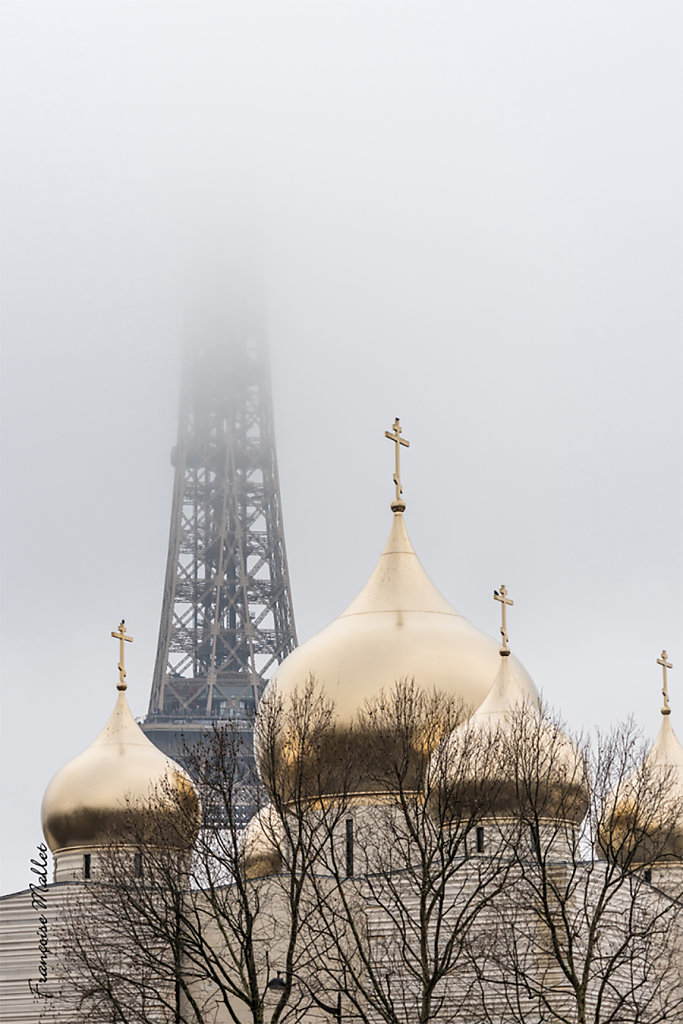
(227, 617)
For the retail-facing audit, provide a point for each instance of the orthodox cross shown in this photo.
(398, 504)
(505, 602)
(122, 638)
(665, 663)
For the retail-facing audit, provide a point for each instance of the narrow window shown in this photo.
(648, 875)
(86, 865)
(137, 865)
(349, 847)
(480, 838)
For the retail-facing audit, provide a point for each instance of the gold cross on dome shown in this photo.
(398, 504)
(122, 638)
(665, 663)
(505, 603)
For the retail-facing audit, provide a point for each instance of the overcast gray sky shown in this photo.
(466, 214)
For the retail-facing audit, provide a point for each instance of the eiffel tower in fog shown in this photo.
(227, 618)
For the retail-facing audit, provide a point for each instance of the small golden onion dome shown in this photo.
(261, 844)
(509, 757)
(399, 627)
(117, 789)
(646, 823)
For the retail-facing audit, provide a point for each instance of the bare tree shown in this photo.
(414, 868)
(408, 879)
(160, 936)
(582, 935)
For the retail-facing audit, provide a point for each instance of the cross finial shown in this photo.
(122, 638)
(398, 504)
(505, 603)
(665, 663)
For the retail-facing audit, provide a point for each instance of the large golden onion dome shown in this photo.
(509, 758)
(120, 788)
(645, 823)
(399, 627)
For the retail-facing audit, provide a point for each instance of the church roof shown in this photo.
(107, 792)
(398, 627)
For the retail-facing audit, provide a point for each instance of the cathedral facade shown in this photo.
(428, 844)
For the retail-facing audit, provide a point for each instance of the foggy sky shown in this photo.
(464, 214)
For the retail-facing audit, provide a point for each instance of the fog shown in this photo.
(464, 214)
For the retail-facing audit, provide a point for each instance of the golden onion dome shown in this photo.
(121, 787)
(509, 755)
(666, 761)
(262, 843)
(399, 627)
(646, 820)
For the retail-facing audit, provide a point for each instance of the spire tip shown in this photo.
(122, 637)
(505, 603)
(398, 504)
(663, 660)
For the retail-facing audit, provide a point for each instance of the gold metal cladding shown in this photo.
(122, 638)
(661, 835)
(399, 627)
(505, 602)
(506, 718)
(665, 663)
(398, 504)
(121, 785)
(262, 840)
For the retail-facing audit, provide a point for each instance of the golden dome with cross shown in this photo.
(645, 823)
(399, 627)
(120, 786)
(487, 762)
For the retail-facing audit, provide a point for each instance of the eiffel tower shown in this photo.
(227, 618)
